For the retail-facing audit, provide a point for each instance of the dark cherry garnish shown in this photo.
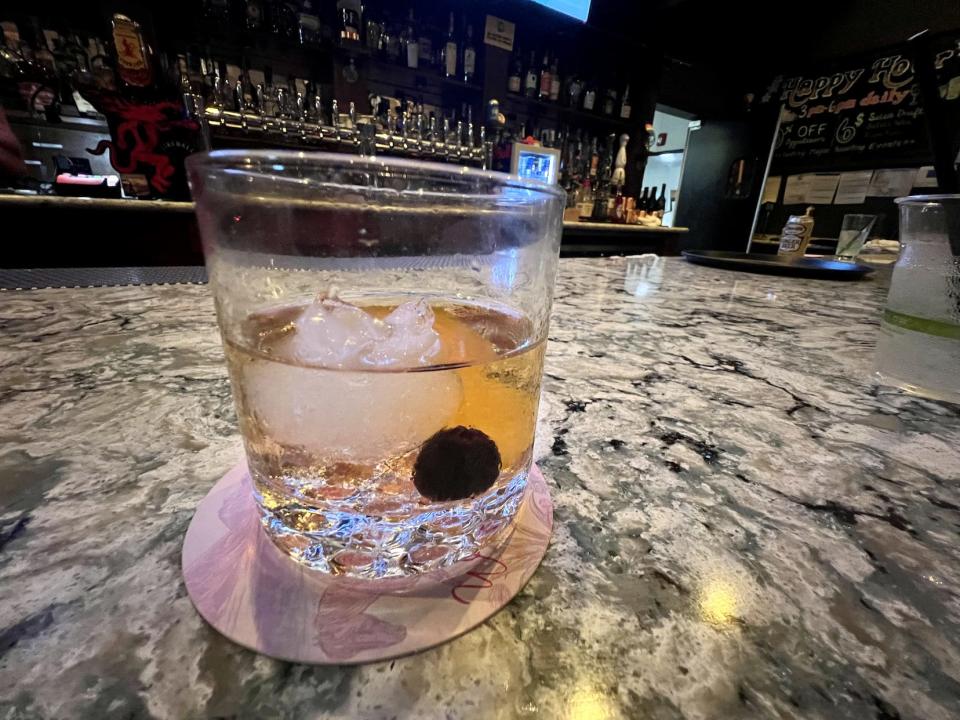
(456, 463)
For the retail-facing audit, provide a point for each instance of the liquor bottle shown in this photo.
(554, 82)
(425, 44)
(253, 15)
(390, 41)
(625, 108)
(374, 32)
(515, 80)
(585, 201)
(75, 48)
(10, 38)
(41, 52)
(81, 75)
(410, 44)
(661, 205)
(590, 96)
(350, 20)
(530, 81)
(103, 75)
(574, 91)
(601, 203)
(642, 203)
(610, 102)
(606, 163)
(136, 80)
(23, 48)
(62, 57)
(546, 80)
(309, 24)
(133, 58)
(28, 75)
(619, 214)
(470, 58)
(449, 52)
(594, 158)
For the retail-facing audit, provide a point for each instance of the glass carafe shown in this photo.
(919, 345)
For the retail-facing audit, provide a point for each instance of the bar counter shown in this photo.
(90, 232)
(746, 525)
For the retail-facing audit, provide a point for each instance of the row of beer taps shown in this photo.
(300, 117)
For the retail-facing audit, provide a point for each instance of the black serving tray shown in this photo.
(806, 267)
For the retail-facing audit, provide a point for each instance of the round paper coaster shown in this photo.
(248, 590)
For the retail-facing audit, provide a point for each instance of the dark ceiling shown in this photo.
(774, 37)
(716, 52)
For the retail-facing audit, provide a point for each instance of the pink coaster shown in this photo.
(246, 588)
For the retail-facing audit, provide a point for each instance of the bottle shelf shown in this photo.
(536, 108)
(418, 80)
(262, 47)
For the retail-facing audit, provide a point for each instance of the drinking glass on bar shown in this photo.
(853, 235)
(384, 324)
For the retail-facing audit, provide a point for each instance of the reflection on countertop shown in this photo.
(746, 526)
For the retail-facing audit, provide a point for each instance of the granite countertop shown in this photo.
(746, 525)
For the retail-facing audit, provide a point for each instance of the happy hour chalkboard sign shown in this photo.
(850, 117)
(861, 113)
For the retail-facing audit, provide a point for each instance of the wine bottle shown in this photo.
(470, 58)
(642, 203)
(515, 80)
(661, 205)
(449, 52)
(554, 82)
(530, 81)
(546, 80)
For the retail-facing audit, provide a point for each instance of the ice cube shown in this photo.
(348, 416)
(352, 405)
(335, 334)
(410, 341)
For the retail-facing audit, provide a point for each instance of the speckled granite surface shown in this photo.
(746, 527)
